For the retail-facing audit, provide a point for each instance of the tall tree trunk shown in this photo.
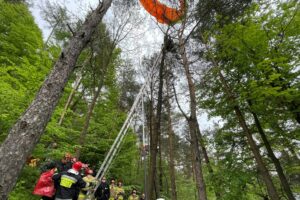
(26, 133)
(88, 117)
(194, 173)
(160, 174)
(74, 89)
(84, 131)
(150, 125)
(204, 151)
(171, 149)
(206, 159)
(193, 124)
(201, 188)
(253, 146)
(150, 182)
(156, 131)
(262, 169)
(279, 170)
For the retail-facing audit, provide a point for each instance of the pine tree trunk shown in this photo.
(156, 133)
(26, 133)
(206, 158)
(150, 125)
(193, 124)
(88, 117)
(84, 131)
(253, 146)
(204, 151)
(152, 158)
(279, 170)
(263, 171)
(160, 174)
(171, 150)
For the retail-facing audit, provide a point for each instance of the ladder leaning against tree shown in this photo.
(117, 142)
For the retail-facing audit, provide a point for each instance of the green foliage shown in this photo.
(258, 54)
(20, 37)
(186, 187)
(261, 57)
(23, 65)
(26, 185)
(257, 51)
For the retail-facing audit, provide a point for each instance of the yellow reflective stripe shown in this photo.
(67, 181)
(69, 177)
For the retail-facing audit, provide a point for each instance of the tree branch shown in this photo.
(175, 95)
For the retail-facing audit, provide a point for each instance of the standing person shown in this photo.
(120, 191)
(112, 189)
(68, 183)
(143, 197)
(102, 192)
(89, 178)
(133, 195)
(60, 165)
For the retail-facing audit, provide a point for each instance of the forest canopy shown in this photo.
(219, 112)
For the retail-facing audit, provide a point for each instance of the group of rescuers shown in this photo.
(73, 180)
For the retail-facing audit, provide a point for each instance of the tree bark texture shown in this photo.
(88, 117)
(151, 127)
(26, 133)
(171, 150)
(279, 170)
(160, 174)
(193, 124)
(206, 159)
(89, 114)
(156, 132)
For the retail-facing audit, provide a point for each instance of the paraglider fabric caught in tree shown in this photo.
(163, 13)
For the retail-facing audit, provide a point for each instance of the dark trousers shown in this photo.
(48, 198)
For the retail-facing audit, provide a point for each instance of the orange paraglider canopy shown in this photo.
(163, 13)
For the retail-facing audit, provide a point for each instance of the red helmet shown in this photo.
(77, 166)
